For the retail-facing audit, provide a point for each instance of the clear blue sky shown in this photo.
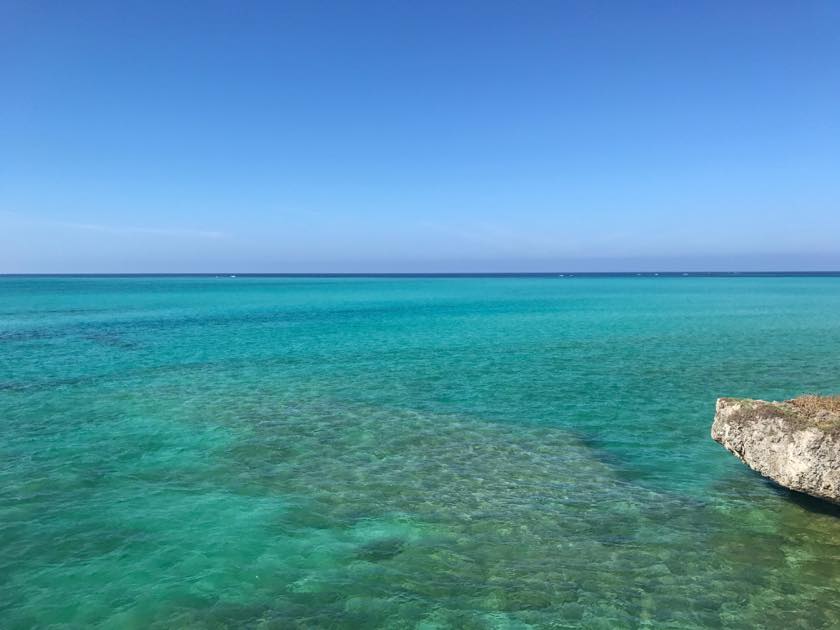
(419, 136)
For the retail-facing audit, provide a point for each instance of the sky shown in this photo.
(419, 136)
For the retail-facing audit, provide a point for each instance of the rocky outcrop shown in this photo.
(795, 443)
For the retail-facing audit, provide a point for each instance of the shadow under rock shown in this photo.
(805, 501)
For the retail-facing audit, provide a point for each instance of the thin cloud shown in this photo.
(115, 229)
(119, 229)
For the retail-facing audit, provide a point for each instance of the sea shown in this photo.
(453, 451)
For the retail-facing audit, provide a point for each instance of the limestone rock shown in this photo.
(796, 443)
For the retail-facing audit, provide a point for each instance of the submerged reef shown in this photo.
(796, 443)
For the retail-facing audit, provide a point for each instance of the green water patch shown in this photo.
(288, 510)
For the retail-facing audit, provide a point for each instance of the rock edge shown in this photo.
(797, 450)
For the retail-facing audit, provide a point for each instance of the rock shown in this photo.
(796, 443)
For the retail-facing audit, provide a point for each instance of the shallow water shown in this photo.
(415, 452)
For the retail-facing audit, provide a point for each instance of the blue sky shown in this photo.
(419, 136)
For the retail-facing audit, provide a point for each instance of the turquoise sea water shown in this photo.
(405, 453)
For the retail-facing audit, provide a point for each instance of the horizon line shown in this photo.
(421, 274)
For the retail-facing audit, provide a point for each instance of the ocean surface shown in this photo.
(449, 452)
